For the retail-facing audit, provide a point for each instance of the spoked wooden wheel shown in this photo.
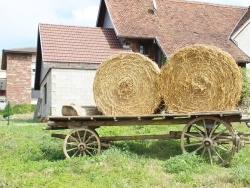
(210, 137)
(80, 142)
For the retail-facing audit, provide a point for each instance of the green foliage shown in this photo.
(241, 175)
(23, 108)
(240, 168)
(163, 59)
(187, 162)
(245, 94)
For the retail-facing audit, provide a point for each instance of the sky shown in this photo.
(19, 19)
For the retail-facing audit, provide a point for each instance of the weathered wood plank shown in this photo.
(141, 117)
(174, 121)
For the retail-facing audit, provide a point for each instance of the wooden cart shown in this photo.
(209, 134)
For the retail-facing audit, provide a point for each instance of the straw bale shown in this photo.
(200, 78)
(125, 84)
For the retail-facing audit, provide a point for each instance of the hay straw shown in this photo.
(125, 84)
(200, 78)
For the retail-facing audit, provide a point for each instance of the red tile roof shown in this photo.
(242, 21)
(177, 23)
(72, 44)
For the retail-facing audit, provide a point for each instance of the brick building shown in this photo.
(19, 65)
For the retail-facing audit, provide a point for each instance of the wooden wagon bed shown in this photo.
(55, 122)
(209, 134)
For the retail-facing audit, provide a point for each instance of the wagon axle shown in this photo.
(207, 143)
(82, 146)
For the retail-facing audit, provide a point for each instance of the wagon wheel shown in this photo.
(80, 142)
(211, 137)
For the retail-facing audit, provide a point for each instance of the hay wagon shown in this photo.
(209, 134)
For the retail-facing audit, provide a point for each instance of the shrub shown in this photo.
(23, 108)
(245, 93)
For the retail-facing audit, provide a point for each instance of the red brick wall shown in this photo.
(18, 73)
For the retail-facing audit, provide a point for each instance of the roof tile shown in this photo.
(74, 44)
(178, 23)
(242, 21)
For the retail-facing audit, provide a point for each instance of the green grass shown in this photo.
(30, 157)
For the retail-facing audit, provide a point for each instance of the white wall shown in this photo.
(2, 79)
(68, 86)
(107, 21)
(242, 39)
(33, 70)
(46, 107)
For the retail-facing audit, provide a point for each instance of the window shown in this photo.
(45, 93)
(144, 49)
(126, 45)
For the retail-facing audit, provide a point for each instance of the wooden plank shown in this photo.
(132, 122)
(137, 137)
(141, 117)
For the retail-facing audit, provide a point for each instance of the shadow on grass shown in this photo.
(156, 149)
(52, 155)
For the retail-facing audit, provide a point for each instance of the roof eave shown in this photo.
(19, 52)
(235, 32)
(133, 37)
(158, 43)
(243, 61)
(107, 9)
(71, 65)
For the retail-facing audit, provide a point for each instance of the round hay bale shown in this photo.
(125, 84)
(200, 78)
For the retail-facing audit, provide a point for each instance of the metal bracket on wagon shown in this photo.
(240, 139)
(246, 118)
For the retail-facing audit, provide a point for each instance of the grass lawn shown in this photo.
(30, 157)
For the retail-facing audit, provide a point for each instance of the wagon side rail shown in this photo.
(64, 122)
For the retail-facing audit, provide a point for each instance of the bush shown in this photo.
(23, 108)
(245, 93)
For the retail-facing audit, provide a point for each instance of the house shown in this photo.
(67, 59)
(154, 25)
(241, 34)
(67, 56)
(18, 75)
